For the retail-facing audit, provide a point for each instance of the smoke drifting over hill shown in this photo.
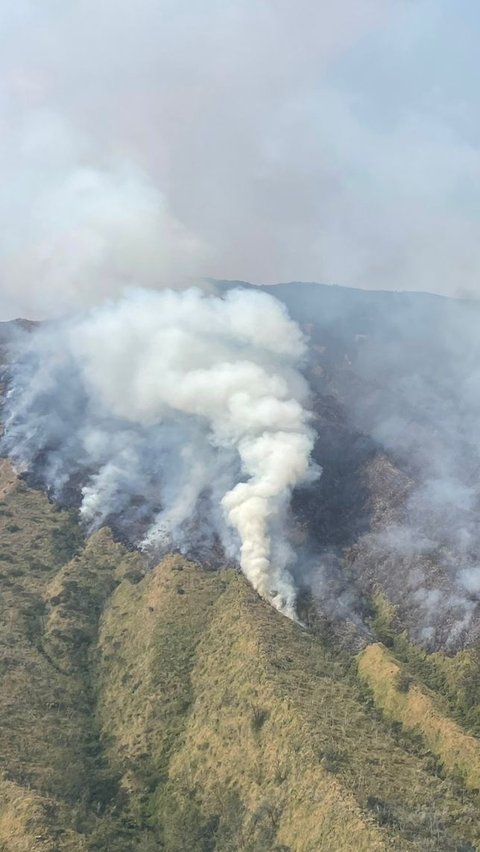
(396, 381)
(181, 416)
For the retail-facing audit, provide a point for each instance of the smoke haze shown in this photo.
(153, 144)
(397, 377)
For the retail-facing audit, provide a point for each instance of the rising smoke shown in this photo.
(151, 145)
(181, 417)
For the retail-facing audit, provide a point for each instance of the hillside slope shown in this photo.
(173, 709)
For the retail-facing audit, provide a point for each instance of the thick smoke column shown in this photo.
(172, 409)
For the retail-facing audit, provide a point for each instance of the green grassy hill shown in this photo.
(172, 709)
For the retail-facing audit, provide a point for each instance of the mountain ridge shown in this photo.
(163, 704)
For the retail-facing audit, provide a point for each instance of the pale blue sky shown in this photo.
(427, 60)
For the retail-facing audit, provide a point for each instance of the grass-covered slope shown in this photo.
(172, 709)
(232, 728)
(420, 710)
(54, 788)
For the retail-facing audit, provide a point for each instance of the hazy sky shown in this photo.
(155, 141)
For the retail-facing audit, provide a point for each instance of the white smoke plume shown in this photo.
(180, 414)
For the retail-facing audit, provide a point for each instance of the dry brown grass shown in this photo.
(420, 711)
